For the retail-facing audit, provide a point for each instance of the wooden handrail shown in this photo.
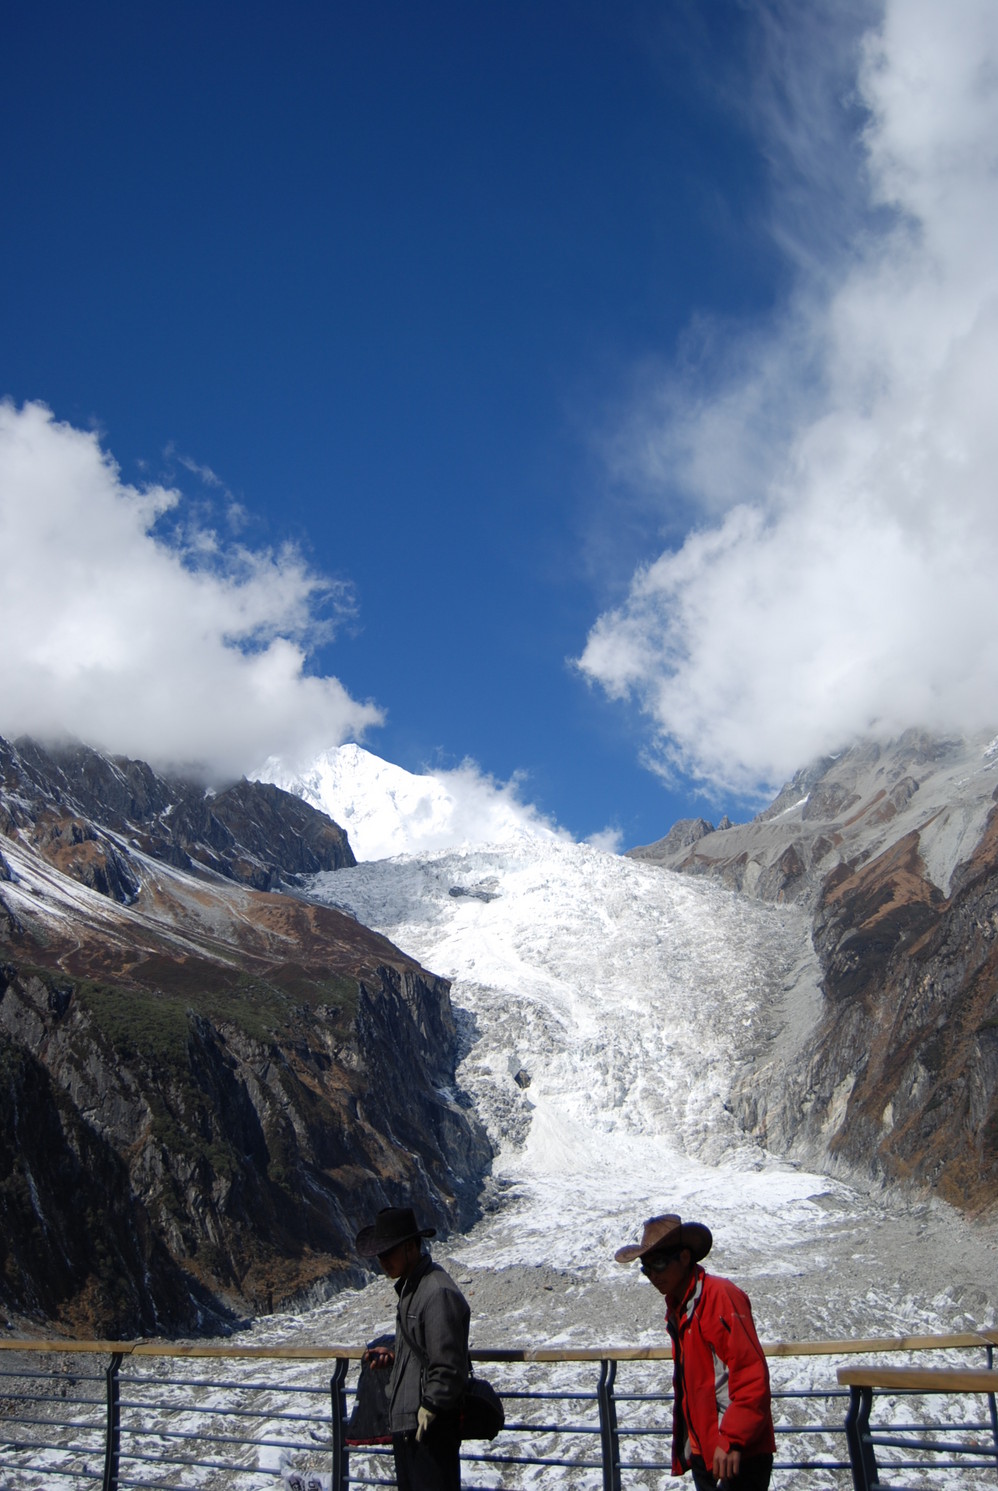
(886, 1343)
(525, 1354)
(920, 1379)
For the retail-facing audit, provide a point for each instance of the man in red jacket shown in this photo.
(722, 1422)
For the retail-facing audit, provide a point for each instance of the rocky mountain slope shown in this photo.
(75, 806)
(894, 848)
(207, 1085)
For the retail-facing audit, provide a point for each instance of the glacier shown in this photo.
(607, 1010)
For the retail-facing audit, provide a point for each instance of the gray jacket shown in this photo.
(436, 1317)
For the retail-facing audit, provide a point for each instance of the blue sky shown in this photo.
(569, 344)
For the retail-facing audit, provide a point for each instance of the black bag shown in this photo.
(482, 1413)
(368, 1423)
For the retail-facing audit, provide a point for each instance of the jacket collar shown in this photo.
(413, 1277)
(684, 1313)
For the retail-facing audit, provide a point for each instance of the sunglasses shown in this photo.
(657, 1263)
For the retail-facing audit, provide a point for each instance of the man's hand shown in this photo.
(727, 1464)
(378, 1357)
(424, 1418)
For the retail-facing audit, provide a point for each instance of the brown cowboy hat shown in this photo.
(668, 1234)
(392, 1225)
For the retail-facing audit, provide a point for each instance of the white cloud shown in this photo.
(485, 810)
(841, 579)
(178, 649)
(608, 840)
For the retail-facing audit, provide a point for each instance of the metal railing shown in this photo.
(976, 1450)
(204, 1418)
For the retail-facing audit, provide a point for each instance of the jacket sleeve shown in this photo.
(446, 1320)
(747, 1415)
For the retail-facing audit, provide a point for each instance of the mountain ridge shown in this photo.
(893, 849)
(846, 808)
(226, 1079)
(68, 795)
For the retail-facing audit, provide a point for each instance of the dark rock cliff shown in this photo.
(908, 1046)
(893, 849)
(207, 1088)
(82, 810)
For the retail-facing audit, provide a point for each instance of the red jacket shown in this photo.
(720, 1376)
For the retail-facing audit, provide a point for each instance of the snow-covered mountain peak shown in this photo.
(387, 810)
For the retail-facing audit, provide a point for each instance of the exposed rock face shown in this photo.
(847, 808)
(77, 1245)
(84, 810)
(208, 1088)
(896, 849)
(681, 835)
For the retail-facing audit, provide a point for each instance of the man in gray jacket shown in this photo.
(430, 1362)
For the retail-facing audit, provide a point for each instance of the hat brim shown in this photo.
(692, 1235)
(369, 1245)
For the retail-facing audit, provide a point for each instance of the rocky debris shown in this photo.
(864, 1274)
(208, 1087)
(486, 891)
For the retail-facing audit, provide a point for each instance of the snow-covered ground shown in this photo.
(629, 1000)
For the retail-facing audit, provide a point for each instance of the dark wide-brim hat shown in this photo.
(392, 1225)
(668, 1233)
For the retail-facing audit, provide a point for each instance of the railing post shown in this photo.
(609, 1438)
(112, 1432)
(338, 1405)
(861, 1455)
(992, 1409)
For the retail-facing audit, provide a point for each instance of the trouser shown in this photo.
(433, 1464)
(753, 1475)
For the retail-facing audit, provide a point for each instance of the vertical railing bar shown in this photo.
(609, 1437)
(861, 1453)
(338, 1409)
(992, 1408)
(112, 1435)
